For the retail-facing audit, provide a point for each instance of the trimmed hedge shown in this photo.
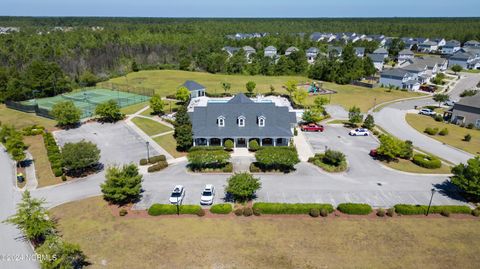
(283, 208)
(431, 131)
(221, 209)
(276, 158)
(404, 209)
(165, 209)
(197, 148)
(426, 161)
(158, 166)
(153, 159)
(355, 209)
(53, 153)
(319, 160)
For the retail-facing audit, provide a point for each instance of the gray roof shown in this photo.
(193, 86)
(231, 50)
(472, 43)
(452, 44)
(339, 50)
(396, 73)
(272, 48)
(278, 120)
(248, 49)
(471, 101)
(359, 50)
(416, 67)
(376, 58)
(380, 51)
(291, 49)
(312, 50)
(428, 44)
(406, 52)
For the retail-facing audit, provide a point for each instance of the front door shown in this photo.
(241, 143)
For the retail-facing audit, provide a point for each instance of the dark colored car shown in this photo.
(312, 127)
(373, 153)
(428, 88)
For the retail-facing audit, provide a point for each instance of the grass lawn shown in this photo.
(43, 170)
(474, 71)
(338, 122)
(21, 119)
(265, 242)
(169, 107)
(168, 143)
(454, 137)
(150, 127)
(409, 166)
(165, 82)
(128, 110)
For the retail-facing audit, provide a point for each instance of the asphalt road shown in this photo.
(392, 119)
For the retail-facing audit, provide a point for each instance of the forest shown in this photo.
(50, 55)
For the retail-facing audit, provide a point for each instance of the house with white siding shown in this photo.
(428, 46)
(270, 51)
(472, 44)
(378, 61)
(312, 54)
(381, 51)
(468, 58)
(405, 55)
(359, 51)
(249, 51)
(451, 47)
(399, 78)
(290, 50)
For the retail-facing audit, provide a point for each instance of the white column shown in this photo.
(221, 142)
(208, 142)
(194, 142)
(261, 142)
(274, 142)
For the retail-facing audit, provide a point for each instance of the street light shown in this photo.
(431, 198)
(148, 151)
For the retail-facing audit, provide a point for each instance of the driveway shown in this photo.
(392, 119)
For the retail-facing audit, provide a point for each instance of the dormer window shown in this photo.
(241, 121)
(221, 121)
(261, 121)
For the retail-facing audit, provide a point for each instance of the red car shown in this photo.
(373, 153)
(312, 127)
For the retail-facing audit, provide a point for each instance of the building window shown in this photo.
(221, 121)
(241, 121)
(261, 121)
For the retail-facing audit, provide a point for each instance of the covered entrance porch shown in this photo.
(242, 142)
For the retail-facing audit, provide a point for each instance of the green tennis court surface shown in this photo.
(87, 100)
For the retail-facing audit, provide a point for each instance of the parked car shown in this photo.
(207, 195)
(312, 127)
(177, 195)
(359, 132)
(449, 103)
(373, 153)
(428, 88)
(426, 111)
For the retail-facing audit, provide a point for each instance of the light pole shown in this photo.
(148, 151)
(431, 198)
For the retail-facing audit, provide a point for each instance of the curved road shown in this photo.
(392, 119)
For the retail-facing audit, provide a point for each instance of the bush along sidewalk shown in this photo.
(283, 208)
(159, 163)
(54, 154)
(166, 209)
(404, 209)
(221, 209)
(355, 209)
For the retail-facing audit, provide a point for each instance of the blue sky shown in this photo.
(243, 8)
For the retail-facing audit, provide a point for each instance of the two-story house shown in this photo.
(451, 47)
(312, 54)
(270, 51)
(398, 77)
(405, 55)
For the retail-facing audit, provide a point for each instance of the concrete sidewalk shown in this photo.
(304, 149)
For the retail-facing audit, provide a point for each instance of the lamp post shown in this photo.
(431, 198)
(148, 151)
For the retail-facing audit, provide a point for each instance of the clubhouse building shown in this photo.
(241, 120)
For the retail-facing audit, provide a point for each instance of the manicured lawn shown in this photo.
(337, 122)
(169, 107)
(133, 108)
(166, 82)
(168, 143)
(454, 137)
(409, 166)
(266, 242)
(22, 119)
(43, 170)
(150, 127)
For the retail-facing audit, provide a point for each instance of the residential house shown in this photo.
(428, 46)
(359, 51)
(467, 58)
(472, 44)
(405, 55)
(466, 111)
(242, 120)
(270, 51)
(419, 70)
(409, 42)
(381, 51)
(440, 41)
(290, 50)
(230, 50)
(381, 39)
(249, 51)
(196, 89)
(378, 60)
(312, 54)
(451, 47)
(399, 78)
(434, 65)
(334, 51)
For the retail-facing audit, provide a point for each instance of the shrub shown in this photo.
(201, 213)
(391, 212)
(57, 172)
(422, 209)
(238, 211)
(207, 159)
(445, 213)
(323, 212)
(156, 159)
(470, 126)
(143, 162)
(438, 118)
(381, 212)
(443, 132)
(242, 186)
(476, 212)
(431, 131)
(228, 168)
(247, 211)
(164, 209)
(355, 209)
(319, 160)
(467, 138)
(53, 153)
(283, 208)
(376, 133)
(427, 161)
(295, 132)
(205, 148)
(314, 212)
(157, 167)
(33, 130)
(253, 145)
(256, 212)
(123, 212)
(64, 177)
(277, 158)
(229, 145)
(332, 157)
(221, 209)
(254, 168)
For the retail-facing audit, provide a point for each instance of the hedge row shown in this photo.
(404, 209)
(283, 208)
(427, 161)
(153, 159)
(355, 209)
(54, 154)
(208, 148)
(158, 166)
(165, 209)
(221, 208)
(33, 130)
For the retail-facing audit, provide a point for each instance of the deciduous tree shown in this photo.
(157, 104)
(79, 156)
(242, 186)
(66, 113)
(109, 111)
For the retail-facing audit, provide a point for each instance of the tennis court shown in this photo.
(87, 100)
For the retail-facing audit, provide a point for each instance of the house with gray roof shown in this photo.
(312, 54)
(196, 89)
(405, 55)
(472, 44)
(270, 51)
(290, 50)
(451, 47)
(249, 51)
(378, 60)
(399, 78)
(466, 111)
(230, 50)
(334, 51)
(440, 41)
(467, 57)
(242, 120)
(428, 46)
(381, 51)
(359, 51)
